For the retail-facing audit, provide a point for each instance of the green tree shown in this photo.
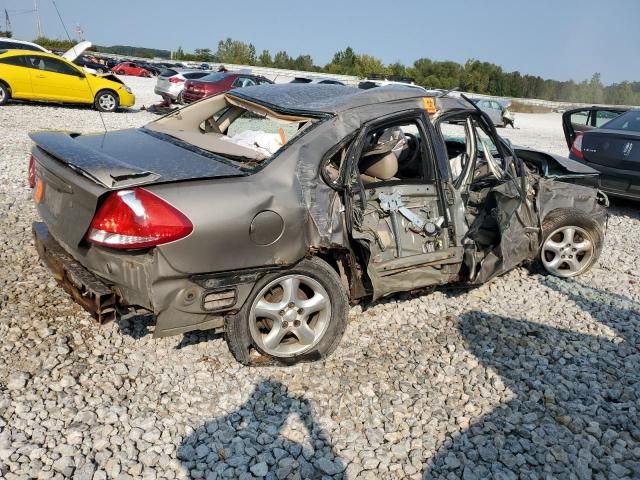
(343, 62)
(234, 51)
(203, 55)
(396, 69)
(304, 63)
(6, 34)
(265, 59)
(366, 64)
(282, 60)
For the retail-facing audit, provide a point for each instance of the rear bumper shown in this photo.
(86, 289)
(181, 303)
(169, 92)
(192, 97)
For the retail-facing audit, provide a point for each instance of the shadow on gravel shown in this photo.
(195, 338)
(138, 326)
(272, 434)
(576, 406)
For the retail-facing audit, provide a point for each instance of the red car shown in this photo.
(130, 68)
(219, 82)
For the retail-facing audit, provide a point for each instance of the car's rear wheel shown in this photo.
(5, 95)
(120, 72)
(100, 70)
(180, 99)
(571, 244)
(106, 101)
(296, 315)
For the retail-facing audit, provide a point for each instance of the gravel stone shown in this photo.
(260, 469)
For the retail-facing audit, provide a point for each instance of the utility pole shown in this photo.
(38, 22)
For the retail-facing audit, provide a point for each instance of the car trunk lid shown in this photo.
(612, 148)
(75, 171)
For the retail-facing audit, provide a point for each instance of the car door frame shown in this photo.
(20, 87)
(70, 95)
(568, 128)
(447, 261)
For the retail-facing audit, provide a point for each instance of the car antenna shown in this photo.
(104, 125)
(444, 93)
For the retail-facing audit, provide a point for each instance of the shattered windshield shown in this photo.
(243, 132)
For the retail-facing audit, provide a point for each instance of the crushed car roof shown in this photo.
(332, 99)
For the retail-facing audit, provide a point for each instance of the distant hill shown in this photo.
(129, 51)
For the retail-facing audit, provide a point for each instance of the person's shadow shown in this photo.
(273, 435)
(575, 408)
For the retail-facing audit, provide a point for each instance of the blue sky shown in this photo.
(554, 39)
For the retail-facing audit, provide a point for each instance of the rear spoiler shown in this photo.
(98, 167)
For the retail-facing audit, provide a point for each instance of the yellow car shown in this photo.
(28, 75)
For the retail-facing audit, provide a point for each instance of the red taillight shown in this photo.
(137, 219)
(576, 148)
(176, 80)
(32, 172)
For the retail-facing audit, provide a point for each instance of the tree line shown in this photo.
(472, 76)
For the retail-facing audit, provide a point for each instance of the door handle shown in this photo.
(41, 76)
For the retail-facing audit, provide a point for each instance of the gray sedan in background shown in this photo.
(498, 111)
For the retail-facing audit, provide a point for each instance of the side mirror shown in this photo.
(81, 74)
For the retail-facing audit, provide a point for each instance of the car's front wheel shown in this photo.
(572, 242)
(296, 315)
(5, 95)
(106, 101)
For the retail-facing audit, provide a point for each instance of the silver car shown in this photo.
(171, 82)
(498, 111)
(263, 212)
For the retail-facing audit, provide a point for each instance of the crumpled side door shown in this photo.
(403, 228)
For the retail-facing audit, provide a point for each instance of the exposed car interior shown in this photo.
(476, 167)
(233, 128)
(391, 153)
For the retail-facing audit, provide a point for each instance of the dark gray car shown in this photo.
(608, 140)
(266, 211)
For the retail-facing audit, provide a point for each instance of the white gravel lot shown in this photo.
(526, 377)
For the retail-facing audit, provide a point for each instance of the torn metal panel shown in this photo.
(553, 195)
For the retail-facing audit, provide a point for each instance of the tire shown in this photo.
(5, 94)
(106, 101)
(100, 70)
(120, 72)
(180, 99)
(571, 243)
(290, 341)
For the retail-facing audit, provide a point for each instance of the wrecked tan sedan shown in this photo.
(266, 211)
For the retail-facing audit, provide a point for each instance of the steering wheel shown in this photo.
(414, 145)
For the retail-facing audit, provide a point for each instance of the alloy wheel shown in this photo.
(107, 102)
(568, 251)
(289, 316)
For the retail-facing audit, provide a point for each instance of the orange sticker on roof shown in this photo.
(429, 104)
